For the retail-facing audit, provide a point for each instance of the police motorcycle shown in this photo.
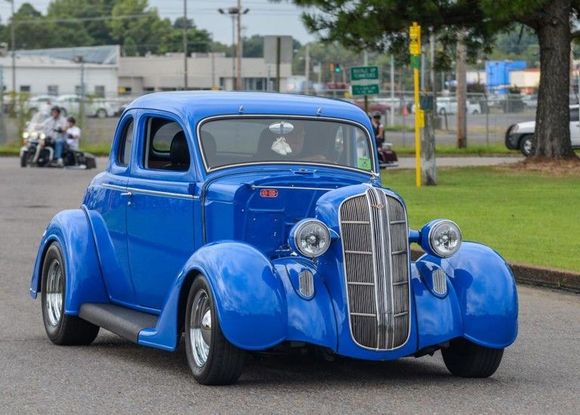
(38, 148)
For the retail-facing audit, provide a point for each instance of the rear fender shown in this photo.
(248, 292)
(84, 280)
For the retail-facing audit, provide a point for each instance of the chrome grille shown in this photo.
(375, 242)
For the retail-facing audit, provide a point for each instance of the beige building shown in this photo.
(143, 74)
(527, 79)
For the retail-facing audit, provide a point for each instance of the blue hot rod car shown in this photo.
(250, 221)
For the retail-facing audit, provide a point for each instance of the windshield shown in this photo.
(235, 141)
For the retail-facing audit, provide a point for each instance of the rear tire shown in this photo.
(60, 328)
(469, 360)
(212, 359)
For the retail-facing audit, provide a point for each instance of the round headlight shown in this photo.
(42, 136)
(25, 135)
(445, 238)
(310, 237)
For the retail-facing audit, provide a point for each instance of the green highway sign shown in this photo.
(359, 73)
(364, 80)
(365, 89)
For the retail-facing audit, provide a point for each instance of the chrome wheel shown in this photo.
(200, 327)
(54, 292)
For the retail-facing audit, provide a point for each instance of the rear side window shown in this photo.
(574, 114)
(126, 144)
(165, 146)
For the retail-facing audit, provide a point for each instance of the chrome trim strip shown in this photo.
(200, 123)
(149, 192)
(114, 187)
(326, 189)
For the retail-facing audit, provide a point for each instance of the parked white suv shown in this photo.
(520, 136)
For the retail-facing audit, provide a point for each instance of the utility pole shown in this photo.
(429, 168)
(392, 114)
(185, 26)
(278, 61)
(81, 60)
(13, 47)
(307, 68)
(239, 73)
(461, 92)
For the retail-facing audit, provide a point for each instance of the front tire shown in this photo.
(469, 360)
(60, 328)
(212, 359)
(24, 159)
(527, 145)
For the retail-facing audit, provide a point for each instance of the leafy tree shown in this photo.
(550, 21)
(254, 46)
(31, 31)
(198, 40)
(145, 27)
(383, 24)
(89, 32)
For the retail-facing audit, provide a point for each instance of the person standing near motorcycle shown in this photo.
(378, 129)
(54, 127)
(72, 133)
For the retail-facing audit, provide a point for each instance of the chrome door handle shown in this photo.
(127, 194)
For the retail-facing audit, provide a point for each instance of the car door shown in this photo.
(109, 217)
(575, 126)
(160, 215)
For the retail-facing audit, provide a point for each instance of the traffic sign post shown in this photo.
(364, 80)
(415, 51)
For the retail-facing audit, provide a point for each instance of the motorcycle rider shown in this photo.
(72, 133)
(53, 128)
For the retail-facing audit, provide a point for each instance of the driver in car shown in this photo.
(291, 145)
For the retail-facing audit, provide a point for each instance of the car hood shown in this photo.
(260, 208)
(527, 126)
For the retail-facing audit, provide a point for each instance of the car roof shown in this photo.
(202, 104)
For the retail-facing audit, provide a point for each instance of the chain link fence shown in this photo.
(488, 117)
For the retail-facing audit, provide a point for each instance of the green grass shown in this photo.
(477, 150)
(529, 218)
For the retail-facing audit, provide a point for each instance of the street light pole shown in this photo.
(236, 15)
(184, 44)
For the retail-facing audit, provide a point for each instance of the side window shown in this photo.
(574, 114)
(126, 144)
(165, 146)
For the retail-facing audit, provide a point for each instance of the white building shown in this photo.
(59, 71)
(143, 74)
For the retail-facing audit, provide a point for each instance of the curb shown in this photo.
(546, 277)
(538, 276)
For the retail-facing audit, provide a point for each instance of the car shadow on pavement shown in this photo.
(275, 368)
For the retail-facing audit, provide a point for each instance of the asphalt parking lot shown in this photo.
(539, 374)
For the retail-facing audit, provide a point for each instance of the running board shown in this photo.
(122, 321)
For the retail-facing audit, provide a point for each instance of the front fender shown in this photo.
(248, 292)
(482, 299)
(84, 281)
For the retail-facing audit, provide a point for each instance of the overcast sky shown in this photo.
(264, 17)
